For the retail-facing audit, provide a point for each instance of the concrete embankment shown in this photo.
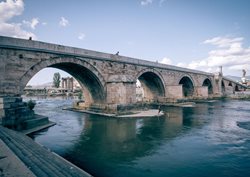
(132, 114)
(27, 158)
(11, 165)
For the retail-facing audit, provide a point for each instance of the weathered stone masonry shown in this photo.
(108, 80)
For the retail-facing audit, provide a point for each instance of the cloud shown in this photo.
(63, 22)
(15, 30)
(44, 23)
(8, 10)
(32, 24)
(166, 60)
(81, 36)
(223, 41)
(146, 2)
(228, 53)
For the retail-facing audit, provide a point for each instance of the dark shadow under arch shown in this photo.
(82, 71)
(209, 85)
(236, 88)
(223, 88)
(86, 77)
(152, 85)
(187, 86)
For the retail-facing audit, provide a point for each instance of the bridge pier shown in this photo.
(174, 91)
(13, 112)
(121, 90)
(201, 92)
(219, 89)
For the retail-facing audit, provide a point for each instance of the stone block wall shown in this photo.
(121, 93)
(174, 91)
(229, 90)
(202, 92)
(13, 112)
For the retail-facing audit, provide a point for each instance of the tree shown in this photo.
(56, 80)
(31, 104)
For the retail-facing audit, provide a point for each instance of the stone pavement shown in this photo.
(10, 164)
(21, 156)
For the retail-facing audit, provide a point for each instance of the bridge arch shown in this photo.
(207, 82)
(236, 88)
(152, 83)
(187, 86)
(223, 88)
(88, 76)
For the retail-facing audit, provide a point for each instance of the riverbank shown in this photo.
(21, 156)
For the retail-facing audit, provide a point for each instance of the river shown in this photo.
(204, 140)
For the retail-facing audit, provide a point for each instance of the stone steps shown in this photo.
(38, 120)
(38, 159)
(96, 108)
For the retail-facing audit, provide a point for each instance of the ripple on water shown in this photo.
(245, 125)
(211, 139)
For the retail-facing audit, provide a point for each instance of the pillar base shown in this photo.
(14, 112)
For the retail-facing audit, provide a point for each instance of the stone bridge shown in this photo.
(107, 80)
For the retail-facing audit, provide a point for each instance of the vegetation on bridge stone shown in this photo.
(56, 80)
(31, 104)
(80, 95)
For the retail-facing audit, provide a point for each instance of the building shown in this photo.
(70, 84)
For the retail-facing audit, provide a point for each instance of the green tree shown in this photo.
(80, 95)
(31, 104)
(56, 80)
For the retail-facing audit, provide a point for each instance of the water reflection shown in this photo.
(185, 142)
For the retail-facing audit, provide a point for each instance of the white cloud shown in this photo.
(146, 2)
(181, 64)
(15, 30)
(81, 36)
(44, 23)
(166, 60)
(229, 53)
(32, 24)
(63, 22)
(223, 41)
(8, 10)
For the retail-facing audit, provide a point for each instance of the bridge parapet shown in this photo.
(37, 46)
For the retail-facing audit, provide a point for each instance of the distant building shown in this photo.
(70, 84)
(67, 83)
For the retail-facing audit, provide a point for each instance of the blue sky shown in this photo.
(198, 34)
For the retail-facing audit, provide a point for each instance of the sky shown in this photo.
(195, 34)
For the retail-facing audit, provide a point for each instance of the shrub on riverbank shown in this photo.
(31, 104)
